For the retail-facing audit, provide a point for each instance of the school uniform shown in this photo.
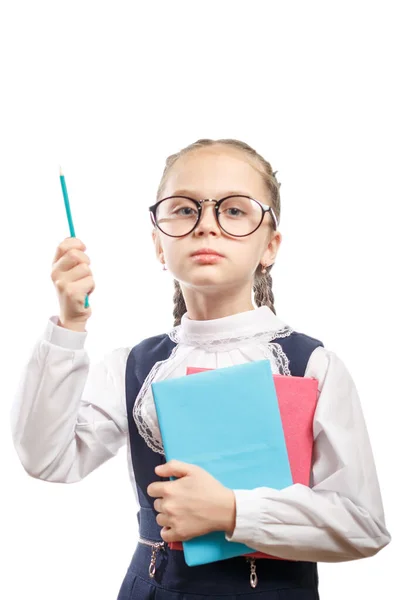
(338, 517)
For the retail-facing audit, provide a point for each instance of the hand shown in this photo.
(73, 279)
(192, 505)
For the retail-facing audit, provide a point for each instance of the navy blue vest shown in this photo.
(298, 349)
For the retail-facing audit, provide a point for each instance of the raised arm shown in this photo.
(68, 417)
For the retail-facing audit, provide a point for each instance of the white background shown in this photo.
(108, 90)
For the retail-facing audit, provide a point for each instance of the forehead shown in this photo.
(215, 171)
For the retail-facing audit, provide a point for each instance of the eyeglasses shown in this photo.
(238, 216)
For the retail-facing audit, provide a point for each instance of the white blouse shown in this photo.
(68, 417)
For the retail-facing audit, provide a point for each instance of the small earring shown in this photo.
(162, 261)
(264, 269)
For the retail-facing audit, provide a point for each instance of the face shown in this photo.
(216, 172)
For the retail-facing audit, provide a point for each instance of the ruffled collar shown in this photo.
(252, 324)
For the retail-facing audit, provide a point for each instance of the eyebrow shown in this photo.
(193, 194)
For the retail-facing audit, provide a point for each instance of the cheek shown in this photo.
(262, 240)
(250, 252)
(174, 252)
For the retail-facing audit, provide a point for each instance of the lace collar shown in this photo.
(259, 325)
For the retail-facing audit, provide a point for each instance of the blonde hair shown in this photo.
(262, 285)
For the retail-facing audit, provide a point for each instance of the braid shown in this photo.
(263, 295)
(179, 304)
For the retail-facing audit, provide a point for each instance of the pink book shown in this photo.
(297, 399)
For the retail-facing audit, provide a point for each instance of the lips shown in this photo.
(206, 251)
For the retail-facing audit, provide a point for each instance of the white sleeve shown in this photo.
(340, 516)
(68, 417)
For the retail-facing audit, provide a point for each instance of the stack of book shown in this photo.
(246, 427)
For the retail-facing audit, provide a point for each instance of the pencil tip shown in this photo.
(61, 171)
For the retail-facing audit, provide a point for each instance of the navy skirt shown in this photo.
(227, 579)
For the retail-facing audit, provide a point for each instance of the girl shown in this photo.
(216, 229)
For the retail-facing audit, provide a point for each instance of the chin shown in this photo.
(206, 277)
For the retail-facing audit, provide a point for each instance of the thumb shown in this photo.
(173, 468)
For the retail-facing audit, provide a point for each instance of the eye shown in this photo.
(234, 212)
(235, 208)
(184, 211)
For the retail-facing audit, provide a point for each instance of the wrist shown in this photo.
(229, 513)
(73, 326)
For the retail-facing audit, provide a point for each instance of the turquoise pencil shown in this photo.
(69, 217)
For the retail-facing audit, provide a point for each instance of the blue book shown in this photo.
(228, 422)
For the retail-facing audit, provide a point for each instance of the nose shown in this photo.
(208, 224)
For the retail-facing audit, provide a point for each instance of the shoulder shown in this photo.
(309, 356)
(301, 339)
(149, 351)
(142, 359)
(298, 347)
(153, 343)
(325, 364)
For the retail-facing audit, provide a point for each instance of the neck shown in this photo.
(202, 305)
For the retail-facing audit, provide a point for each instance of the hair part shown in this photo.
(262, 285)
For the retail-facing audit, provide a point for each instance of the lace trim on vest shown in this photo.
(148, 427)
(278, 356)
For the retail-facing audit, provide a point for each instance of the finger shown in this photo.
(71, 258)
(65, 268)
(75, 274)
(69, 268)
(158, 505)
(68, 244)
(156, 489)
(162, 520)
(74, 289)
(174, 468)
(168, 535)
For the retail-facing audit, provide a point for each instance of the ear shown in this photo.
(269, 256)
(157, 244)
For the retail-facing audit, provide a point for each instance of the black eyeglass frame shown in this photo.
(199, 203)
